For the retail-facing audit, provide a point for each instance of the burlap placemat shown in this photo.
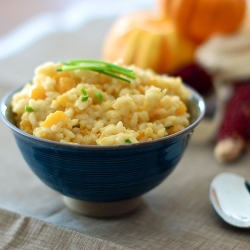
(21, 232)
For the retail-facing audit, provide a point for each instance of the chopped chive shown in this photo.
(113, 75)
(84, 98)
(99, 96)
(85, 95)
(128, 141)
(101, 67)
(168, 127)
(29, 109)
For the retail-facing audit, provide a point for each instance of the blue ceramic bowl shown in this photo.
(104, 173)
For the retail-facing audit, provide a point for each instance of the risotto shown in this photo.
(85, 107)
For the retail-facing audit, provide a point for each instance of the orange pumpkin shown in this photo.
(147, 41)
(199, 19)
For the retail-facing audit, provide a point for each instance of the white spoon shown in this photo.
(230, 196)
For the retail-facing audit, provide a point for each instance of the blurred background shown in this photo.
(34, 32)
(14, 12)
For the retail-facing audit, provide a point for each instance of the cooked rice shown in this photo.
(150, 107)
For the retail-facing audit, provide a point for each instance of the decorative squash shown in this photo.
(147, 41)
(199, 19)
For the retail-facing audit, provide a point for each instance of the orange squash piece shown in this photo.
(64, 82)
(38, 92)
(140, 135)
(181, 110)
(54, 118)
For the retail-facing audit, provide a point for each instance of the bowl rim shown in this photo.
(194, 95)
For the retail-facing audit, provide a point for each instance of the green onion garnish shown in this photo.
(168, 127)
(29, 109)
(128, 141)
(99, 96)
(101, 67)
(85, 95)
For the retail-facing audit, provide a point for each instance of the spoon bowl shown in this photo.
(230, 196)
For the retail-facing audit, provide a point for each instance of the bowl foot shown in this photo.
(102, 209)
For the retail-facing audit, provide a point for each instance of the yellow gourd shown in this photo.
(147, 41)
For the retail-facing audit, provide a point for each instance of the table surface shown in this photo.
(175, 215)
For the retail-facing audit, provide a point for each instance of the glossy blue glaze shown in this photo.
(104, 173)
